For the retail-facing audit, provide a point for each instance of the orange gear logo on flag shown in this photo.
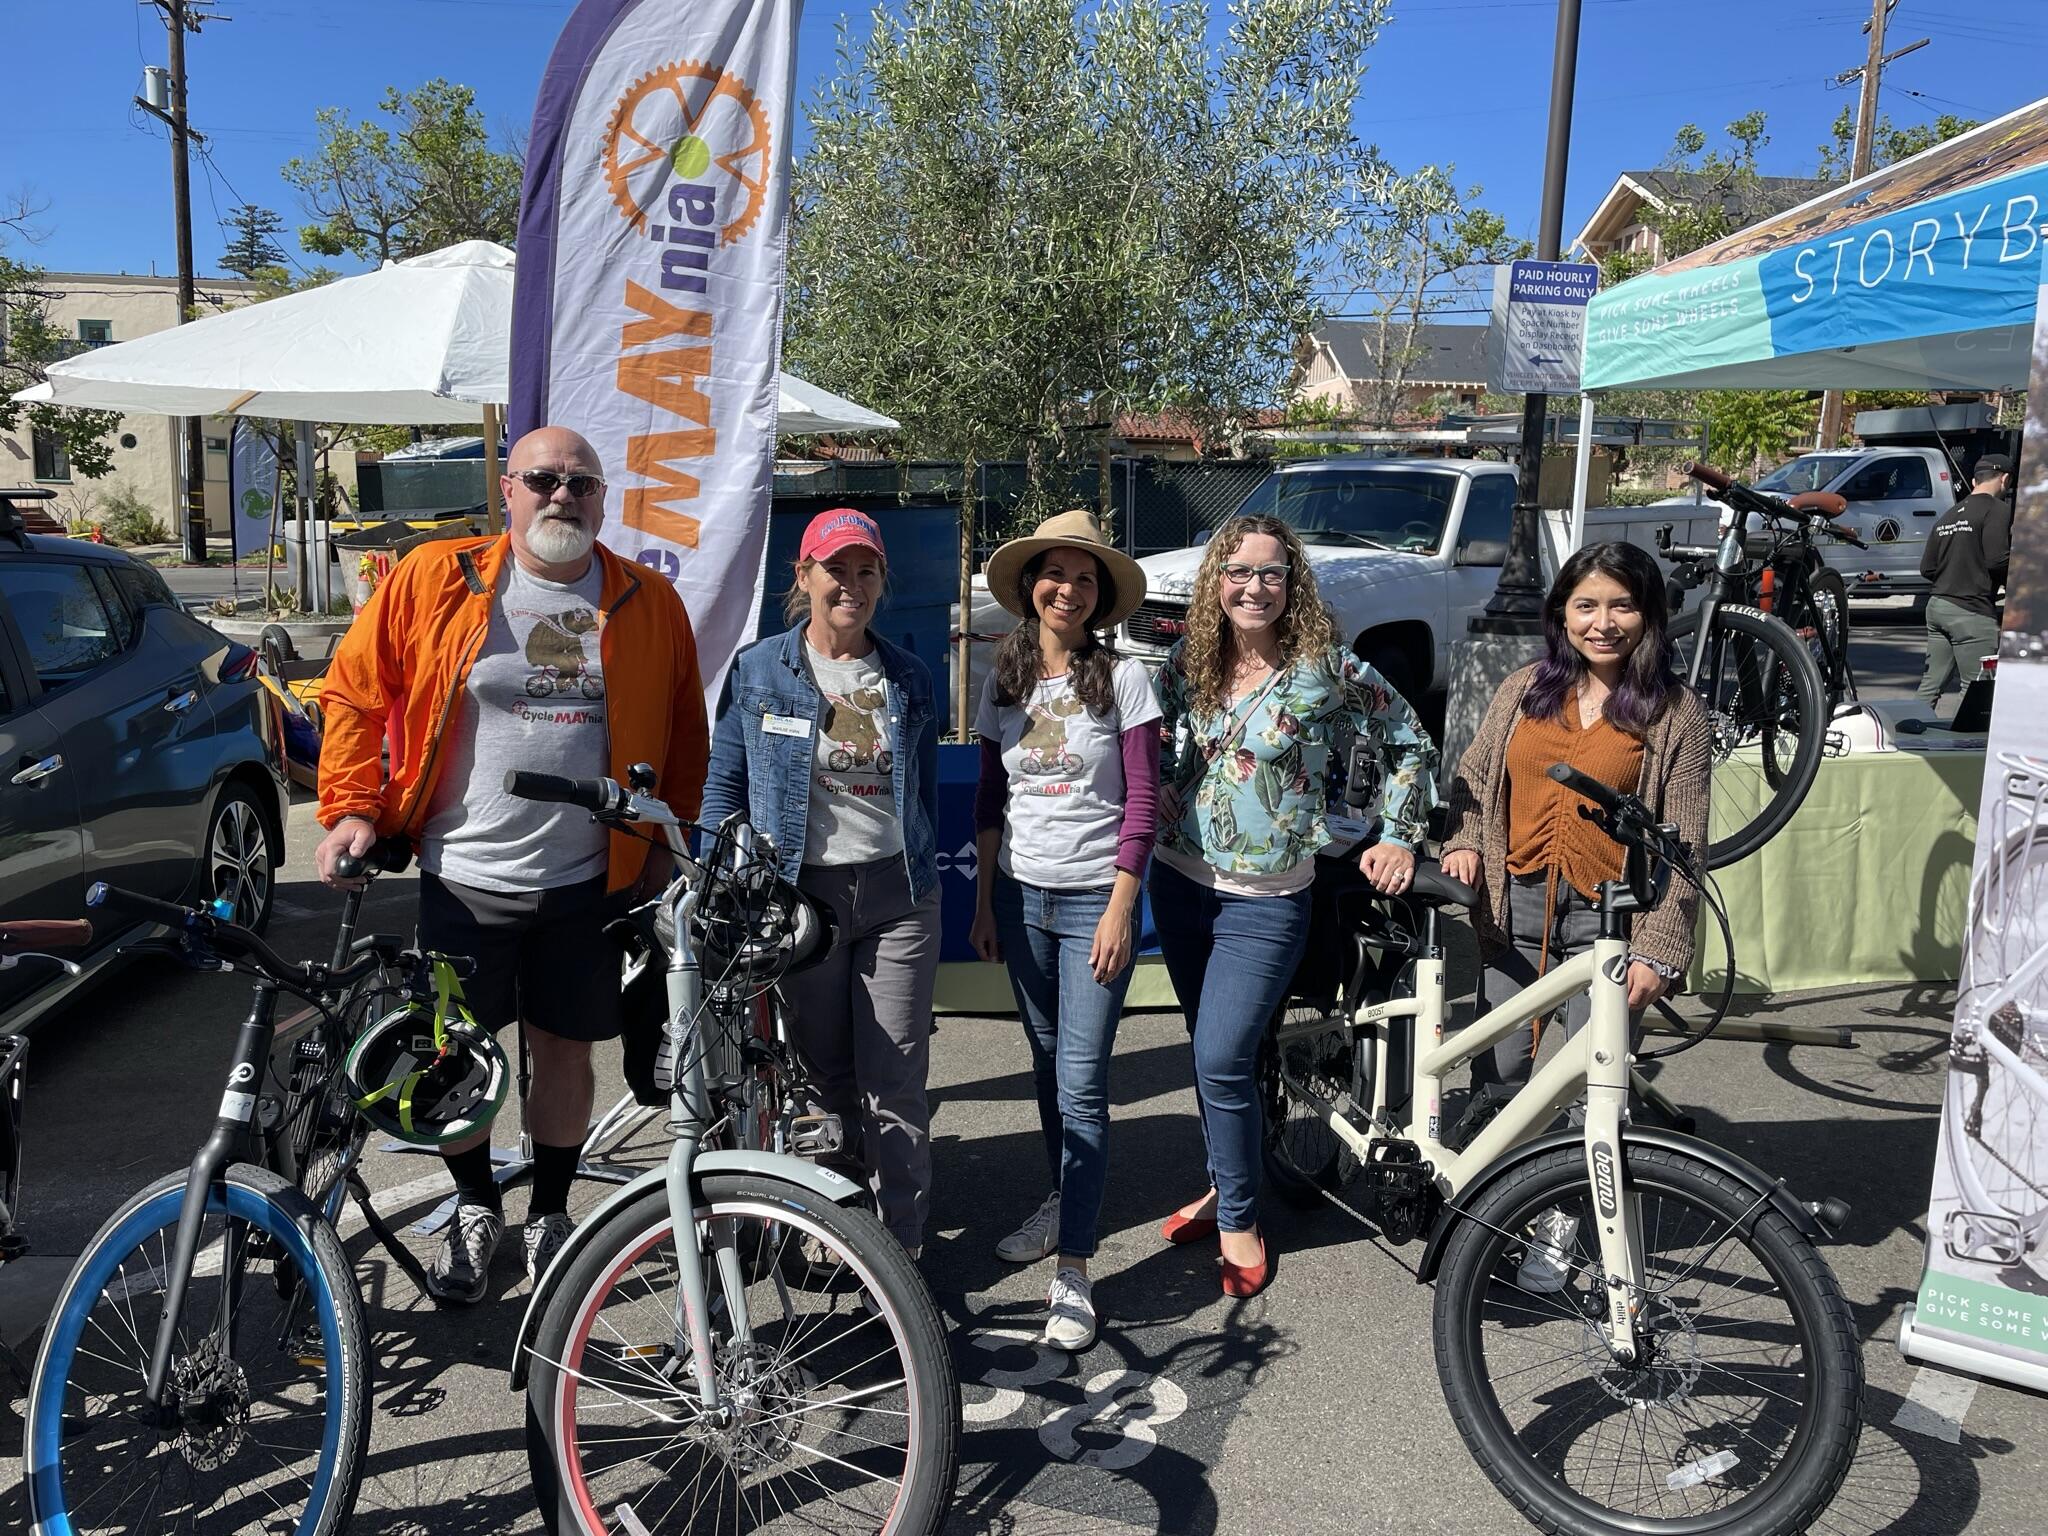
(693, 120)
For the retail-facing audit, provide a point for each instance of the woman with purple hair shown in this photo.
(1603, 699)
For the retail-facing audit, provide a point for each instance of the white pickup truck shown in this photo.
(1405, 551)
(1895, 495)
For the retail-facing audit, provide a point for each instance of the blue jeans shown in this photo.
(1231, 958)
(1070, 1020)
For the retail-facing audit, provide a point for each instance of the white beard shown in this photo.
(558, 541)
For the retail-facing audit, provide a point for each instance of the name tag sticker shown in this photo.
(785, 725)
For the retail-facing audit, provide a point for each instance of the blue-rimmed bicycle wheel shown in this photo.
(264, 1425)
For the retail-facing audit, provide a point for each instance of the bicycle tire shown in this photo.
(1672, 1409)
(57, 1432)
(563, 1457)
(1829, 596)
(1303, 1158)
(1993, 1130)
(1764, 687)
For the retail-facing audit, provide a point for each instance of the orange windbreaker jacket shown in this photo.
(400, 670)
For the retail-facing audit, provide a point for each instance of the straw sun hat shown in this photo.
(1069, 530)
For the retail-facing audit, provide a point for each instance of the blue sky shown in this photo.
(1463, 82)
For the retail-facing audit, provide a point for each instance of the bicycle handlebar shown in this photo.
(600, 797)
(231, 938)
(44, 933)
(1585, 784)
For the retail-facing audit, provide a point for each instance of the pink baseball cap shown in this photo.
(840, 528)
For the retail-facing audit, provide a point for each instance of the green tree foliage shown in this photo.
(1414, 248)
(425, 178)
(30, 342)
(252, 241)
(1019, 219)
(1751, 430)
(1719, 189)
(1889, 143)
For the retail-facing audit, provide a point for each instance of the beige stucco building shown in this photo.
(98, 308)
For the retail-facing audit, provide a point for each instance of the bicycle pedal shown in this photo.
(815, 1135)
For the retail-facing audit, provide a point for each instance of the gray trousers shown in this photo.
(862, 1017)
(1957, 640)
(1574, 925)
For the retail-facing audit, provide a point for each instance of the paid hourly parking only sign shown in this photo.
(1538, 332)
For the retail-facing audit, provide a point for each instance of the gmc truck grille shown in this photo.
(1157, 622)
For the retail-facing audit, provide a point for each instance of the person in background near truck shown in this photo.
(1257, 697)
(828, 739)
(1603, 699)
(1965, 559)
(539, 649)
(1063, 818)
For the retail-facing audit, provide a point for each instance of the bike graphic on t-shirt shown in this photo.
(555, 650)
(1044, 742)
(853, 725)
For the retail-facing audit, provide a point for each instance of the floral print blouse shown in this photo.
(1259, 808)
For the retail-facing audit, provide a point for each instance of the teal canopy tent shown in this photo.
(1921, 276)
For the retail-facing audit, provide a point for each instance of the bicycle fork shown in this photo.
(228, 1143)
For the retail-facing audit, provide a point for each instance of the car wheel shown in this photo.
(239, 863)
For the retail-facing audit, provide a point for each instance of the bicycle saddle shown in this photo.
(1826, 503)
(1432, 885)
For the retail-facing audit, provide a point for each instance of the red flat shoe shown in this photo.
(1242, 1280)
(1187, 1229)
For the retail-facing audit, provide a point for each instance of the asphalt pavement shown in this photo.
(1311, 1408)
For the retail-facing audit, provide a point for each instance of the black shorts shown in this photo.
(541, 956)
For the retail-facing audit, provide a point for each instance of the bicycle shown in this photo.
(1633, 1329)
(205, 1362)
(1997, 1130)
(785, 1359)
(22, 942)
(1764, 693)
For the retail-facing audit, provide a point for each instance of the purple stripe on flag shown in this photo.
(583, 38)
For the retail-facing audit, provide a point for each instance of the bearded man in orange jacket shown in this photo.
(543, 650)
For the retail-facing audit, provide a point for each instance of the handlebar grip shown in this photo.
(1710, 477)
(1585, 784)
(105, 895)
(348, 867)
(592, 795)
(45, 933)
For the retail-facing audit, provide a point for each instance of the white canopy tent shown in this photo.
(422, 342)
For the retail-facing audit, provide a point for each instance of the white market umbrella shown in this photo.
(420, 342)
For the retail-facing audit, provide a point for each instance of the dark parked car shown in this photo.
(137, 746)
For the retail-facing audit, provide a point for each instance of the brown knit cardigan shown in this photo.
(1677, 770)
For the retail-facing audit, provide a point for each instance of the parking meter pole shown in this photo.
(308, 510)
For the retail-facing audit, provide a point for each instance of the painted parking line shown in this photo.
(1935, 1404)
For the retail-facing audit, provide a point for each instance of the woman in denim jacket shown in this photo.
(827, 738)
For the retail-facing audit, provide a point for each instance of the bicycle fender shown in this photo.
(822, 1182)
(1720, 1159)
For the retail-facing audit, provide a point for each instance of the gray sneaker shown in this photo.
(462, 1269)
(544, 1237)
(1072, 1324)
(1039, 1235)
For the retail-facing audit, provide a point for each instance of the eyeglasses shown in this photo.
(1264, 575)
(545, 482)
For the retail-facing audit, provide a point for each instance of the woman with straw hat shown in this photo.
(1063, 816)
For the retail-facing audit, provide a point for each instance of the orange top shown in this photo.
(1545, 829)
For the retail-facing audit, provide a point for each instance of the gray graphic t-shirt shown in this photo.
(852, 819)
(534, 700)
(1066, 771)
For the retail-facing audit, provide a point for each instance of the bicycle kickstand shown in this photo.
(401, 1255)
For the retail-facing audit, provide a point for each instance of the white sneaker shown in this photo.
(1547, 1267)
(544, 1239)
(1072, 1324)
(461, 1270)
(1039, 1235)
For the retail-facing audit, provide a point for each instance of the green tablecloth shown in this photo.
(1867, 883)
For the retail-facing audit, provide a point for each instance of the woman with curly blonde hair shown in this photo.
(1256, 698)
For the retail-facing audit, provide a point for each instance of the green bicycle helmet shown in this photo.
(424, 1086)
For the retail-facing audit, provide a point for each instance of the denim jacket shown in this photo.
(769, 776)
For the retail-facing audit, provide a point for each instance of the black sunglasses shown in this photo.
(545, 482)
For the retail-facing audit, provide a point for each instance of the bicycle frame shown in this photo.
(1596, 1064)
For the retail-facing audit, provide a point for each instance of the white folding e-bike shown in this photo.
(1997, 1130)
(1634, 1329)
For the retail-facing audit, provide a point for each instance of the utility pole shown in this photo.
(180, 19)
(1872, 72)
